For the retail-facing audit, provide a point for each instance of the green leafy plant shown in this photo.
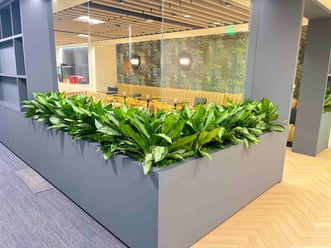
(155, 140)
(327, 100)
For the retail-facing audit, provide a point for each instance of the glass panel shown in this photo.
(204, 53)
(71, 31)
(195, 52)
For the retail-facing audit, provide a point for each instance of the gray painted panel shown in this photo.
(252, 42)
(7, 58)
(39, 53)
(312, 88)
(276, 35)
(3, 125)
(9, 90)
(196, 196)
(324, 132)
(115, 193)
(4, 3)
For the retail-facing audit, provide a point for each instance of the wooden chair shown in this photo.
(161, 105)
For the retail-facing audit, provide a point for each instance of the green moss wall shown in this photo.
(218, 63)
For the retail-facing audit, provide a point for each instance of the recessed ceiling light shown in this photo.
(83, 35)
(149, 20)
(88, 20)
(187, 16)
(121, 1)
(228, 4)
(217, 23)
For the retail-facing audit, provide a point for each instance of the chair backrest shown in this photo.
(110, 88)
(199, 100)
(136, 95)
(293, 115)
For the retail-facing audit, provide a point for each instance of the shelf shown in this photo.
(16, 17)
(10, 38)
(13, 79)
(6, 26)
(12, 75)
(22, 90)
(19, 56)
(7, 58)
(8, 90)
(9, 75)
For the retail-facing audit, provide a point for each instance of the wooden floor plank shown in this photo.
(294, 213)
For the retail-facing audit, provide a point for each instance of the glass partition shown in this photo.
(138, 59)
(204, 54)
(71, 32)
(172, 52)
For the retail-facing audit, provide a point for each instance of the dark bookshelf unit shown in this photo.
(13, 87)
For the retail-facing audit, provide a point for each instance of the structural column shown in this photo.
(312, 127)
(275, 29)
(274, 37)
(39, 47)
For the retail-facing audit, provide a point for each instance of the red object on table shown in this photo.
(73, 79)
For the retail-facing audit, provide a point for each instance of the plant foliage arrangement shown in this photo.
(327, 100)
(155, 140)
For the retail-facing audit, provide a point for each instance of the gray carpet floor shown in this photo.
(43, 219)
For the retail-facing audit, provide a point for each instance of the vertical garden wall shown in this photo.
(217, 63)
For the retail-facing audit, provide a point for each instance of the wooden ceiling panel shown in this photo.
(144, 17)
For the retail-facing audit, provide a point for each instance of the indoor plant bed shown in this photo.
(171, 206)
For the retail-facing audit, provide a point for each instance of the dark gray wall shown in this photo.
(312, 89)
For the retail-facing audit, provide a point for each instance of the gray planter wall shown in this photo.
(197, 195)
(171, 207)
(114, 192)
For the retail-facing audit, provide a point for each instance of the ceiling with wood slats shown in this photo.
(144, 17)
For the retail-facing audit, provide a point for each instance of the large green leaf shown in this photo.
(147, 163)
(139, 139)
(276, 128)
(205, 153)
(55, 120)
(206, 136)
(165, 137)
(210, 119)
(181, 143)
(198, 117)
(106, 129)
(141, 127)
(159, 153)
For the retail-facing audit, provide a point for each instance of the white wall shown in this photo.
(105, 66)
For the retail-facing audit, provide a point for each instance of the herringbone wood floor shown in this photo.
(294, 213)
